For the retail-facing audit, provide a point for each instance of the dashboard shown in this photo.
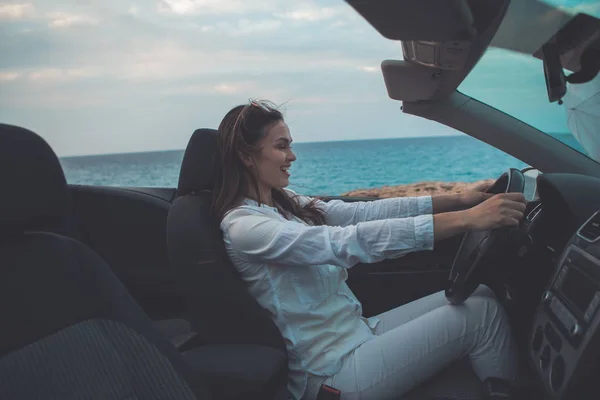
(563, 218)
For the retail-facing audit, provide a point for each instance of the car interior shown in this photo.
(126, 292)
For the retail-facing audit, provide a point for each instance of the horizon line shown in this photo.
(296, 142)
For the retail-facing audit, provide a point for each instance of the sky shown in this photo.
(112, 76)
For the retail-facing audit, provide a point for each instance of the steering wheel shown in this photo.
(476, 245)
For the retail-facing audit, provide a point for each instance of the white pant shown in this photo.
(418, 340)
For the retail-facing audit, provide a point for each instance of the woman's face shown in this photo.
(275, 157)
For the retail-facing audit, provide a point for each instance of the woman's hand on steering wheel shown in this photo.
(476, 195)
(490, 223)
(499, 211)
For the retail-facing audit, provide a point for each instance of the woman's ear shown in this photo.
(247, 160)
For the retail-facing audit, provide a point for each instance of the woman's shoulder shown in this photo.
(244, 209)
(240, 218)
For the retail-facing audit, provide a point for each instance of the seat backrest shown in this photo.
(69, 328)
(39, 174)
(222, 309)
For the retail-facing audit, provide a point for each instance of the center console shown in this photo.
(565, 339)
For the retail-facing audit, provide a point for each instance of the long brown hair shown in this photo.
(240, 132)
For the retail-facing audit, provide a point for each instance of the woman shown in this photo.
(294, 253)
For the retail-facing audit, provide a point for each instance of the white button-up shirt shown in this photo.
(297, 271)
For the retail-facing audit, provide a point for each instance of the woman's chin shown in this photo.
(284, 183)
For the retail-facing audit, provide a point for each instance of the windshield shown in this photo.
(514, 83)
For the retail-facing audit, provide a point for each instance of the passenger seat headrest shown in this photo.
(200, 163)
(34, 189)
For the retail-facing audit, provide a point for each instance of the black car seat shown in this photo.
(221, 309)
(70, 330)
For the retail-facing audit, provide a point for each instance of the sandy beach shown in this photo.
(416, 189)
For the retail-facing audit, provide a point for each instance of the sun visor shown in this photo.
(406, 81)
(424, 20)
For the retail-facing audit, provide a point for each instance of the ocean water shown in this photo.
(325, 168)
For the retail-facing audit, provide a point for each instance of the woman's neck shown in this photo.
(265, 197)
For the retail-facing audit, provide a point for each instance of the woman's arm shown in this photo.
(460, 201)
(257, 237)
(448, 202)
(341, 213)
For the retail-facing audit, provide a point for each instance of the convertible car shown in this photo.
(125, 293)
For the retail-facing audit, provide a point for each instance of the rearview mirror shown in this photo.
(553, 72)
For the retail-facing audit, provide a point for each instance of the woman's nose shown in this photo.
(291, 156)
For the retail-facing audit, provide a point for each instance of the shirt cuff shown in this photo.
(425, 205)
(424, 239)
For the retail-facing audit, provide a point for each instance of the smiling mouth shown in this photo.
(285, 170)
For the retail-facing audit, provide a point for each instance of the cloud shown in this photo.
(311, 13)
(55, 19)
(62, 19)
(16, 11)
(202, 87)
(235, 88)
(53, 75)
(150, 59)
(8, 76)
(371, 69)
(244, 27)
(210, 7)
(302, 12)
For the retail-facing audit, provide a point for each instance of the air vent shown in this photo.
(590, 231)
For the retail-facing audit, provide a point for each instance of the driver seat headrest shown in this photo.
(35, 192)
(200, 163)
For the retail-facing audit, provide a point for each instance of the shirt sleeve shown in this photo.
(256, 236)
(341, 213)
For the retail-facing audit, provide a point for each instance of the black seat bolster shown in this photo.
(239, 370)
(222, 310)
